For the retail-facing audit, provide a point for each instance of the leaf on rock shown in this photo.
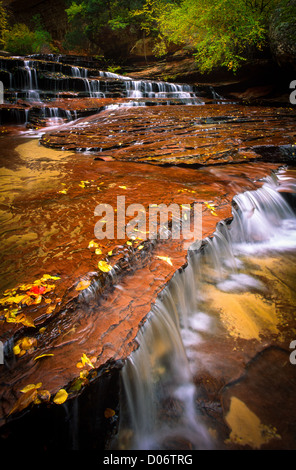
(93, 244)
(43, 355)
(166, 259)
(104, 266)
(60, 397)
(31, 387)
(83, 285)
(24, 401)
(109, 413)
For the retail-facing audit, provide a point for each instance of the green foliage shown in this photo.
(21, 40)
(219, 32)
(3, 24)
(90, 19)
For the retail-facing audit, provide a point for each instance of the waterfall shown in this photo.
(32, 82)
(159, 396)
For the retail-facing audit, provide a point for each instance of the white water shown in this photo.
(158, 408)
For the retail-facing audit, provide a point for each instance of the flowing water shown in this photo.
(223, 282)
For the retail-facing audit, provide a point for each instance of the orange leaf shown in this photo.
(109, 413)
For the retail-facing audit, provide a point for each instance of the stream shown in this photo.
(183, 346)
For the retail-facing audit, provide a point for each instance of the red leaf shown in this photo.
(37, 290)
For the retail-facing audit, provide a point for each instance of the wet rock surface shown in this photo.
(193, 135)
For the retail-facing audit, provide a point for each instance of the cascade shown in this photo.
(159, 396)
(36, 81)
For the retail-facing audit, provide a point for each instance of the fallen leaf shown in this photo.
(82, 285)
(86, 360)
(43, 396)
(109, 413)
(16, 350)
(104, 266)
(166, 259)
(60, 397)
(24, 401)
(36, 290)
(31, 387)
(50, 309)
(46, 277)
(93, 244)
(42, 355)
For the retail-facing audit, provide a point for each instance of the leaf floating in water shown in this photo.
(104, 266)
(60, 397)
(166, 259)
(83, 285)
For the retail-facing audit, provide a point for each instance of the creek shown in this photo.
(181, 337)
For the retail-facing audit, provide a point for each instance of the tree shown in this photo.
(95, 20)
(3, 23)
(219, 32)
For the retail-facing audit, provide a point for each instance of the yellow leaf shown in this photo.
(129, 243)
(140, 247)
(60, 397)
(122, 187)
(98, 251)
(63, 191)
(164, 258)
(25, 400)
(13, 300)
(110, 253)
(83, 374)
(83, 285)
(31, 387)
(86, 360)
(93, 244)
(45, 277)
(50, 309)
(16, 350)
(42, 355)
(105, 267)
(27, 343)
